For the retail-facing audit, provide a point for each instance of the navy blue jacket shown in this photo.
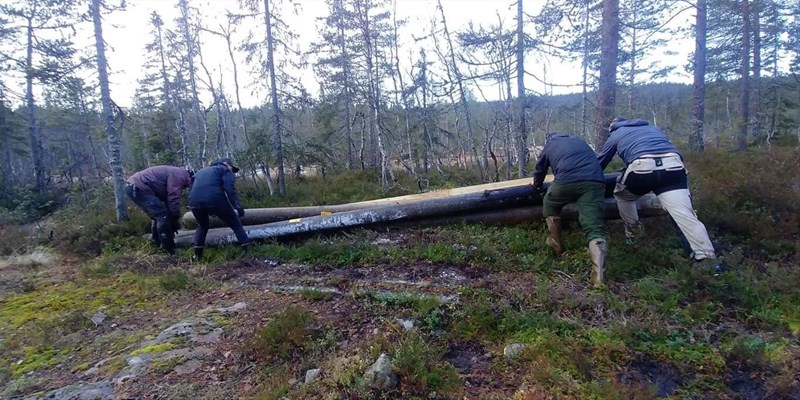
(571, 159)
(214, 188)
(633, 138)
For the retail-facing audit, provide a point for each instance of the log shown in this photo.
(648, 206)
(509, 197)
(258, 216)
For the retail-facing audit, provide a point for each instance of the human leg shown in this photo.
(230, 218)
(199, 239)
(557, 196)
(678, 204)
(590, 216)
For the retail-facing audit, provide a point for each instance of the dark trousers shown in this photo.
(161, 228)
(658, 181)
(588, 196)
(227, 215)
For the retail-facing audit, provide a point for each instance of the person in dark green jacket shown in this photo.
(579, 179)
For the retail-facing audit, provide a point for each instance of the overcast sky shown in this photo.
(128, 31)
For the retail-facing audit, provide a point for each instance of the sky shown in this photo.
(128, 31)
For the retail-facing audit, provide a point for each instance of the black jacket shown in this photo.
(571, 159)
(214, 188)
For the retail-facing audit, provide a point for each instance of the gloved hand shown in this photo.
(240, 211)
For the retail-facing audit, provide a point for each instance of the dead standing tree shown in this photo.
(114, 159)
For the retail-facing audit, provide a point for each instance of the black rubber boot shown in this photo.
(198, 253)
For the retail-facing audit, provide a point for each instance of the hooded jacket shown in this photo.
(571, 159)
(214, 187)
(632, 139)
(166, 182)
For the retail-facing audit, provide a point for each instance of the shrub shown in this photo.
(286, 336)
(754, 195)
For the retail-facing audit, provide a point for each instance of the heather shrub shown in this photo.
(754, 196)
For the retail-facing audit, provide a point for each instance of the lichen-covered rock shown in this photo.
(380, 375)
(513, 350)
(312, 375)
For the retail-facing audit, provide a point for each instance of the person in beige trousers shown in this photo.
(655, 165)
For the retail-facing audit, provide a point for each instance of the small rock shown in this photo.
(233, 309)
(513, 350)
(98, 318)
(374, 332)
(292, 382)
(407, 324)
(381, 375)
(271, 262)
(187, 367)
(312, 375)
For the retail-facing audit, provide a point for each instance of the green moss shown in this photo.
(81, 367)
(154, 348)
(34, 360)
(682, 352)
(167, 364)
(48, 304)
(315, 295)
(112, 367)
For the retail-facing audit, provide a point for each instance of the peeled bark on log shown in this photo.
(257, 216)
(510, 197)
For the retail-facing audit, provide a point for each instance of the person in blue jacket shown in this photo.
(654, 164)
(579, 179)
(213, 193)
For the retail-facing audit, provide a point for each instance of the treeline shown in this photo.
(379, 106)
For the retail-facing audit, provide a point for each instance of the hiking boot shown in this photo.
(598, 248)
(633, 232)
(712, 265)
(246, 248)
(198, 253)
(554, 240)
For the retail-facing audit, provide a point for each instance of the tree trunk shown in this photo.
(607, 90)
(585, 75)
(744, 105)
(36, 146)
(346, 90)
(114, 159)
(757, 118)
(277, 143)
(7, 178)
(462, 95)
(522, 134)
(200, 115)
(697, 138)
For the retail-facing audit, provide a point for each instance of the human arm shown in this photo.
(229, 187)
(607, 153)
(540, 171)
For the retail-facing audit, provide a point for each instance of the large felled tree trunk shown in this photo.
(114, 159)
(606, 94)
(696, 138)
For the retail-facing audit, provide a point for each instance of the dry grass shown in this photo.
(36, 257)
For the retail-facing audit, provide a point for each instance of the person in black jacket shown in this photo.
(579, 179)
(214, 193)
